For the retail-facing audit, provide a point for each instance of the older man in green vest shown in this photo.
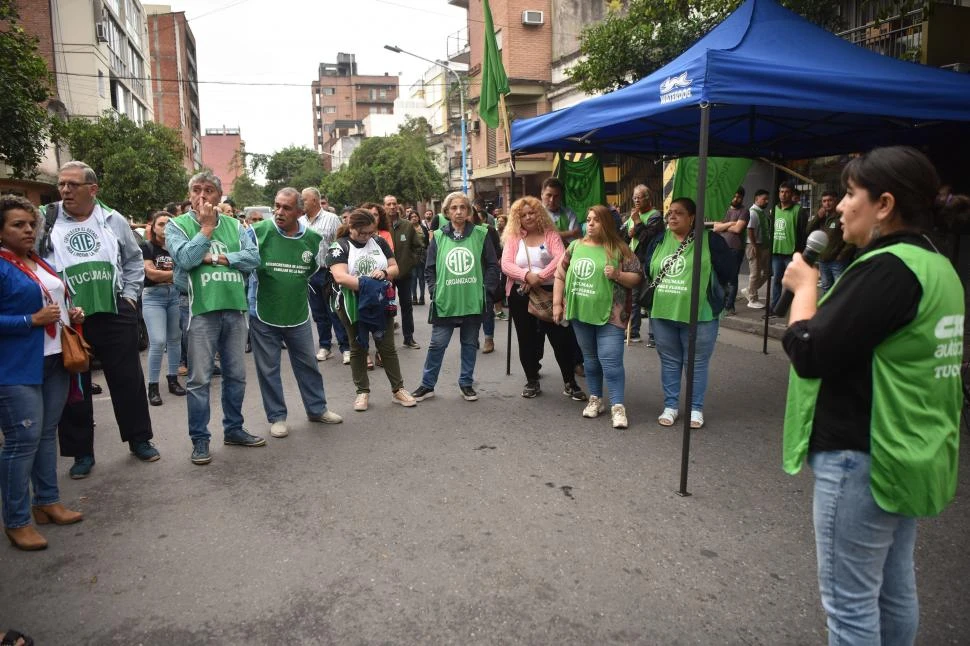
(213, 253)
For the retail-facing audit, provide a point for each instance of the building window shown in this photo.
(383, 94)
(329, 109)
(101, 84)
(329, 91)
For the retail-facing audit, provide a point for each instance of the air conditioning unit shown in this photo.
(101, 32)
(531, 17)
(474, 126)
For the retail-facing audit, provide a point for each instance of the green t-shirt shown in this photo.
(786, 220)
(213, 288)
(671, 300)
(644, 218)
(285, 266)
(588, 292)
(916, 395)
(460, 281)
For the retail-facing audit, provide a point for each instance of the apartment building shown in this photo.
(175, 79)
(224, 152)
(341, 98)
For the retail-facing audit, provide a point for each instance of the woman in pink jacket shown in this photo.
(532, 250)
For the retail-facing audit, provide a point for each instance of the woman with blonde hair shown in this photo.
(593, 291)
(532, 251)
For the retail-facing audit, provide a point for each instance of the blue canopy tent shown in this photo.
(765, 82)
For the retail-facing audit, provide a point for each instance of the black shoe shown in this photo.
(411, 343)
(175, 387)
(216, 371)
(200, 452)
(531, 390)
(153, 397)
(82, 467)
(143, 450)
(242, 438)
(95, 389)
(651, 342)
(422, 393)
(574, 392)
(249, 347)
(468, 393)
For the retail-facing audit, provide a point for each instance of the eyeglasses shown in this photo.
(72, 185)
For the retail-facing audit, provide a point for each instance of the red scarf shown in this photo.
(51, 328)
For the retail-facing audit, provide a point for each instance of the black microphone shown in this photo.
(816, 243)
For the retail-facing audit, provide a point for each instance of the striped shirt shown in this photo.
(326, 224)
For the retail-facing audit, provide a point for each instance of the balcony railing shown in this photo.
(900, 36)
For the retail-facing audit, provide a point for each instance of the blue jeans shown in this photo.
(417, 283)
(184, 326)
(160, 309)
(488, 318)
(829, 272)
(672, 339)
(223, 332)
(266, 341)
(602, 347)
(28, 418)
(440, 338)
(324, 318)
(731, 293)
(865, 556)
(779, 263)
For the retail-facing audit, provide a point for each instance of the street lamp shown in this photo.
(461, 99)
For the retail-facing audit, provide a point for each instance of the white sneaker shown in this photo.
(360, 404)
(346, 357)
(279, 429)
(619, 416)
(756, 305)
(404, 398)
(668, 417)
(328, 417)
(323, 354)
(593, 407)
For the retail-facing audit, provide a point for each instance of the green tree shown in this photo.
(294, 166)
(26, 126)
(139, 167)
(640, 36)
(399, 165)
(246, 192)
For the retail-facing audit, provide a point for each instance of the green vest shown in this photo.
(460, 283)
(785, 222)
(916, 396)
(87, 255)
(442, 221)
(764, 234)
(588, 292)
(285, 266)
(671, 299)
(215, 287)
(644, 218)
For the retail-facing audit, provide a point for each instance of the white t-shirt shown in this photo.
(539, 257)
(55, 286)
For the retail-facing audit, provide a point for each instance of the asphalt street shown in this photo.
(501, 521)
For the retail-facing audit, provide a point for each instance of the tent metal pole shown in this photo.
(695, 290)
(508, 207)
(771, 243)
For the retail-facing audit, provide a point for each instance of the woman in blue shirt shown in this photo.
(33, 382)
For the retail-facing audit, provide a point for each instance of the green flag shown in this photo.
(582, 175)
(494, 80)
(724, 176)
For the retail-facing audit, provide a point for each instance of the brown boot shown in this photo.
(56, 513)
(26, 538)
(489, 346)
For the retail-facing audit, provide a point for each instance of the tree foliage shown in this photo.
(295, 166)
(139, 167)
(26, 126)
(246, 192)
(399, 165)
(640, 36)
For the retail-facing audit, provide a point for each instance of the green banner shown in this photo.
(584, 182)
(724, 176)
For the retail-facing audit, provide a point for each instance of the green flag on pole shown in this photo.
(494, 80)
(724, 176)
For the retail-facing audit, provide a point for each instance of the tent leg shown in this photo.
(508, 207)
(771, 232)
(695, 291)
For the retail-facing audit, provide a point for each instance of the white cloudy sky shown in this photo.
(244, 42)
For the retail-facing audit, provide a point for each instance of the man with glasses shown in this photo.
(644, 223)
(95, 251)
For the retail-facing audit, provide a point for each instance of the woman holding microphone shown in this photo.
(33, 381)
(874, 395)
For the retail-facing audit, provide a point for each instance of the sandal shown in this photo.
(696, 419)
(370, 363)
(377, 360)
(11, 637)
(668, 417)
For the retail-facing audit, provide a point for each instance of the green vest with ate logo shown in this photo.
(213, 288)
(460, 284)
(285, 266)
(588, 292)
(671, 300)
(785, 222)
(916, 395)
(86, 253)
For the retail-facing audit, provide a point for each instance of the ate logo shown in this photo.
(584, 268)
(366, 266)
(307, 257)
(674, 265)
(460, 261)
(82, 242)
(780, 225)
(216, 247)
